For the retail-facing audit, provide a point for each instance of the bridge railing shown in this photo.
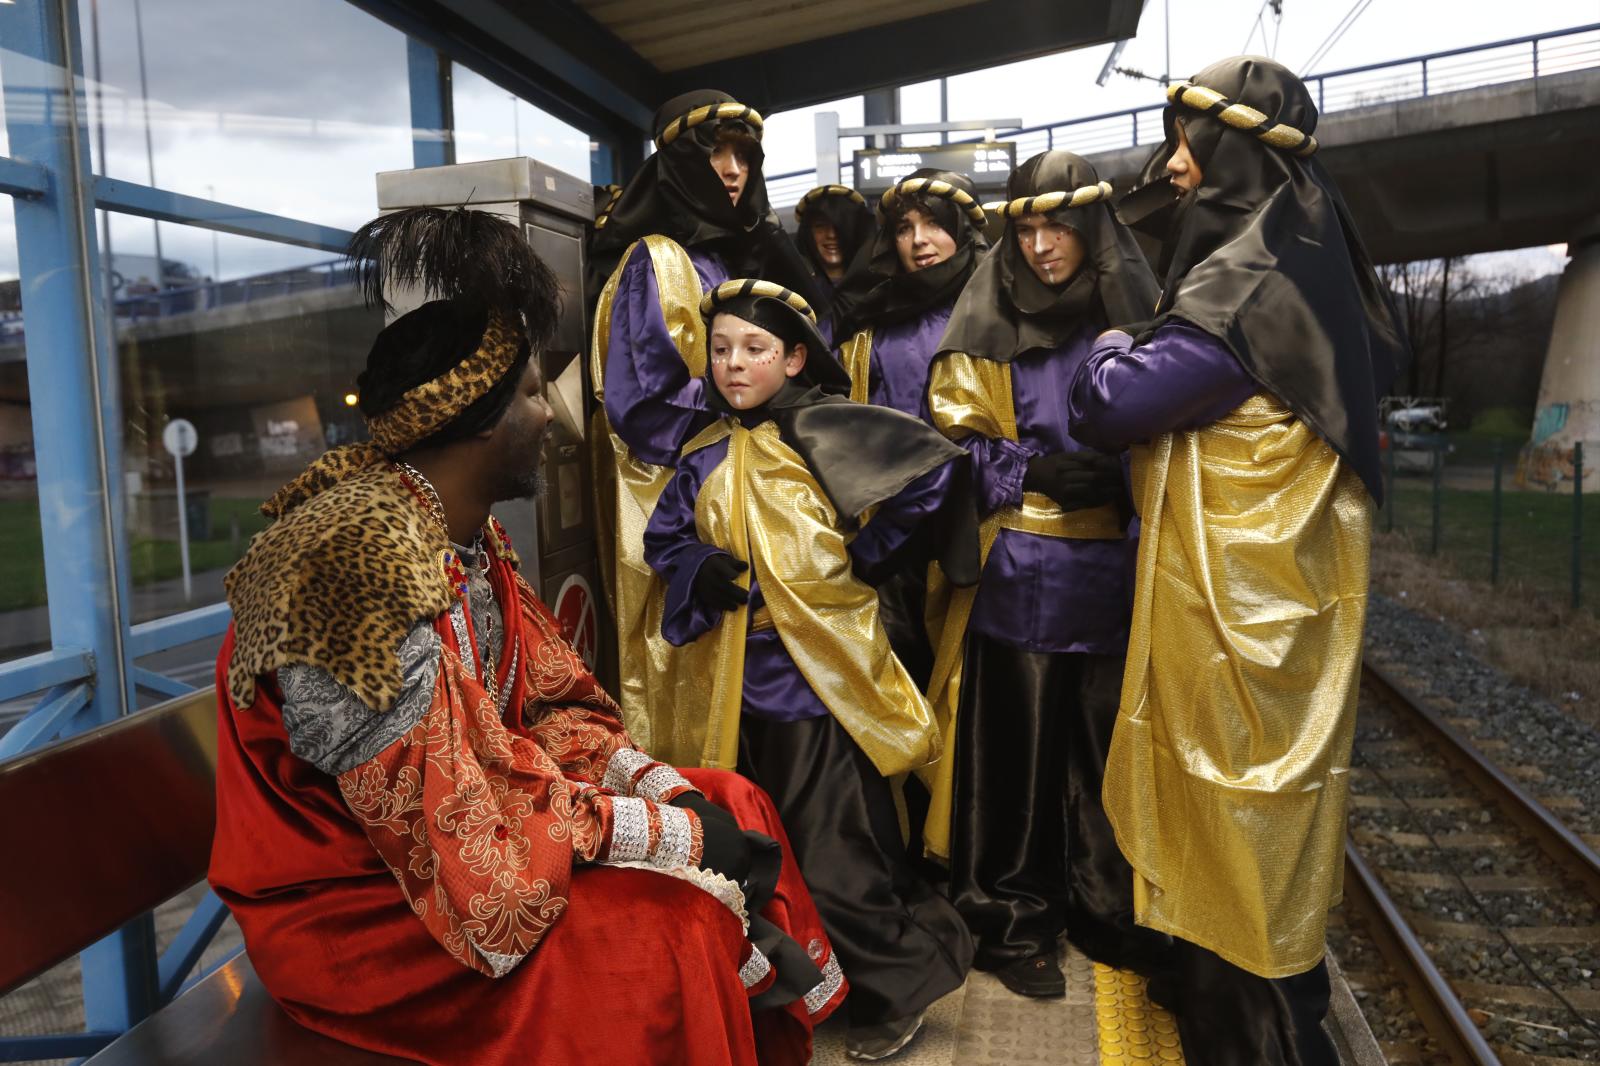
(208, 295)
(1495, 63)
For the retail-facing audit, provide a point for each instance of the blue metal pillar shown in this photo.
(77, 422)
(433, 142)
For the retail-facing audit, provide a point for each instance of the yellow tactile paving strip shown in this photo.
(1132, 1029)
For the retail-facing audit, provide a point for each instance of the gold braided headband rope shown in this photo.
(822, 191)
(428, 406)
(710, 113)
(1241, 117)
(732, 290)
(934, 187)
(613, 194)
(1047, 202)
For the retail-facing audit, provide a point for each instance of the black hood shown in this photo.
(878, 292)
(677, 194)
(1265, 257)
(1005, 310)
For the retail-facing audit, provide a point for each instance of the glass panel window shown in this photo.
(492, 123)
(258, 348)
(289, 107)
(24, 623)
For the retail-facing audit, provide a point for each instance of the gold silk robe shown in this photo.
(968, 396)
(855, 355)
(654, 678)
(1227, 777)
(763, 505)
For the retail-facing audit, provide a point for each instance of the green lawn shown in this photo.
(1535, 534)
(22, 578)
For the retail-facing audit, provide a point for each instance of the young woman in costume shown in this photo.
(1253, 403)
(760, 540)
(1031, 661)
(694, 215)
(889, 314)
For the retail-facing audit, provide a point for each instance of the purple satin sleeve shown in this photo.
(651, 401)
(998, 465)
(673, 548)
(897, 520)
(1182, 379)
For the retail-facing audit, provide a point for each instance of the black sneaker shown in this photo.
(1038, 975)
(870, 1043)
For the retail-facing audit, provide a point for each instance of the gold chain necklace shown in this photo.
(430, 495)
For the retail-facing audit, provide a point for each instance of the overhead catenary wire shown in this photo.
(1339, 30)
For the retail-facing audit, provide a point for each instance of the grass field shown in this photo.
(1536, 535)
(22, 577)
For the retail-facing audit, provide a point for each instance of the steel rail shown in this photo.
(1554, 837)
(1440, 1009)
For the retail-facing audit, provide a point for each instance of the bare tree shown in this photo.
(1427, 293)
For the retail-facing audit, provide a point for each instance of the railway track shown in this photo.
(1483, 903)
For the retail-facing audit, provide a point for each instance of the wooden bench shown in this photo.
(102, 828)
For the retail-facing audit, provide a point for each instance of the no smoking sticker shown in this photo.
(580, 625)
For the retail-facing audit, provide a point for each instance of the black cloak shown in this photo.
(1265, 257)
(852, 221)
(677, 194)
(877, 292)
(1005, 310)
(860, 454)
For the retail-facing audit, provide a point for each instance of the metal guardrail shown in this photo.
(1514, 59)
(208, 295)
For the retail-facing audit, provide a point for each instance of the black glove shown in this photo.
(725, 848)
(1075, 480)
(714, 583)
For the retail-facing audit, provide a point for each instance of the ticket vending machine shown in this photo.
(554, 535)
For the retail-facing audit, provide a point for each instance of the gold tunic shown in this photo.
(763, 505)
(970, 396)
(654, 678)
(1227, 776)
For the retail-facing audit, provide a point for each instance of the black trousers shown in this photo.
(1032, 854)
(902, 599)
(902, 946)
(1230, 1017)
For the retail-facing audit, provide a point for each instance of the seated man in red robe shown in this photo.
(433, 829)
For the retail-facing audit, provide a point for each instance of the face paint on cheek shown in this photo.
(764, 358)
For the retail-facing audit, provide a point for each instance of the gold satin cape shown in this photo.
(968, 396)
(655, 680)
(763, 505)
(1229, 765)
(856, 355)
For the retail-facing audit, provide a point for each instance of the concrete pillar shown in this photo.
(1569, 392)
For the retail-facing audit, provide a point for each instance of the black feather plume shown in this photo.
(457, 254)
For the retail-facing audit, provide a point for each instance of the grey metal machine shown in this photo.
(556, 534)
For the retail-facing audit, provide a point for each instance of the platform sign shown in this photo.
(181, 439)
(987, 163)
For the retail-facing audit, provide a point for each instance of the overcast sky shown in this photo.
(291, 107)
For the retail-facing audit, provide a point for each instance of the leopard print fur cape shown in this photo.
(337, 583)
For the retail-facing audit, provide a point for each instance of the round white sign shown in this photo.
(180, 438)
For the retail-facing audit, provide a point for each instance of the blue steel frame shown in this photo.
(88, 677)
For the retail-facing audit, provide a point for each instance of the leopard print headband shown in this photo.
(418, 414)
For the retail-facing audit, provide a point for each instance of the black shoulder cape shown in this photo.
(1006, 311)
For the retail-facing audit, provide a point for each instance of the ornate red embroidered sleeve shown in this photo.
(576, 722)
(477, 824)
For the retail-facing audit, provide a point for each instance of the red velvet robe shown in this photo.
(483, 829)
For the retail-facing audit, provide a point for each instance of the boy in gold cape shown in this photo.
(756, 537)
